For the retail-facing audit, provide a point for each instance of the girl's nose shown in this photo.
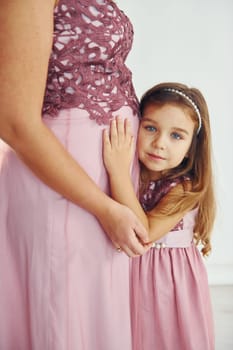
(159, 142)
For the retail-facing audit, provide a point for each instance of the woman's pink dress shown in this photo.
(63, 286)
(171, 307)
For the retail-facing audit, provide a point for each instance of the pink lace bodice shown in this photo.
(156, 190)
(87, 68)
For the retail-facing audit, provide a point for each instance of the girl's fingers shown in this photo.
(128, 128)
(120, 130)
(124, 130)
(106, 138)
(113, 132)
(128, 132)
(129, 136)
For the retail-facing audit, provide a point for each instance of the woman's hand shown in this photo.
(124, 229)
(118, 147)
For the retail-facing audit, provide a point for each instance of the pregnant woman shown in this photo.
(64, 284)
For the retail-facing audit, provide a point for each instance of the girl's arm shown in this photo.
(118, 153)
(26, 29)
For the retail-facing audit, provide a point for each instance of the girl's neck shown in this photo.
(147, 175)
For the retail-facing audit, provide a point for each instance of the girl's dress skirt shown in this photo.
(171, 306)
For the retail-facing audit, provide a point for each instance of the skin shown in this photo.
(23, 73)
(164, 138)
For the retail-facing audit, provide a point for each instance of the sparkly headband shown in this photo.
(178, 92)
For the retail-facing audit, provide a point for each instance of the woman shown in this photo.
(63, 285)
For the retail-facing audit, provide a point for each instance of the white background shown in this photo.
(191, 41)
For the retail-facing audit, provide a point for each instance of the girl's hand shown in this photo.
(122, 225)
(118, 147)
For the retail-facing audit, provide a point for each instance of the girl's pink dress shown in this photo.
(171, 306)
(63, 286)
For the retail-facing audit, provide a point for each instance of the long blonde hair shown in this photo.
(199, 163)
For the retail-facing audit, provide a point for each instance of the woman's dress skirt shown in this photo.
(63, 286)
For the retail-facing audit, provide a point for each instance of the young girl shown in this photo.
(171, 306)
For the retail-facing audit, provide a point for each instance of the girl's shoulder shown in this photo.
(157, 189)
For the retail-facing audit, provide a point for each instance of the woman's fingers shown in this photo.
(122, 227)
(132, 247)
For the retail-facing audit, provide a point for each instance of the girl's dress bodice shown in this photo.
(87, 66)
(181, 235)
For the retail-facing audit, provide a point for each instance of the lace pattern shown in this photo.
(87, 65)
(156, 190)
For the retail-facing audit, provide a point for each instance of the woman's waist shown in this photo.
(78, 113)
(101, 107)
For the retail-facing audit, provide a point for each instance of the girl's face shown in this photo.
(164, 139)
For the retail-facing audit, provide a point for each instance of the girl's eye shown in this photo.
(176, 136)
(150, 128)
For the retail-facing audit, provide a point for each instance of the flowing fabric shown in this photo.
(63, 285)
(171, 305)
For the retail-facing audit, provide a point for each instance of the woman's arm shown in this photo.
(118, 153)
(26, 29)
